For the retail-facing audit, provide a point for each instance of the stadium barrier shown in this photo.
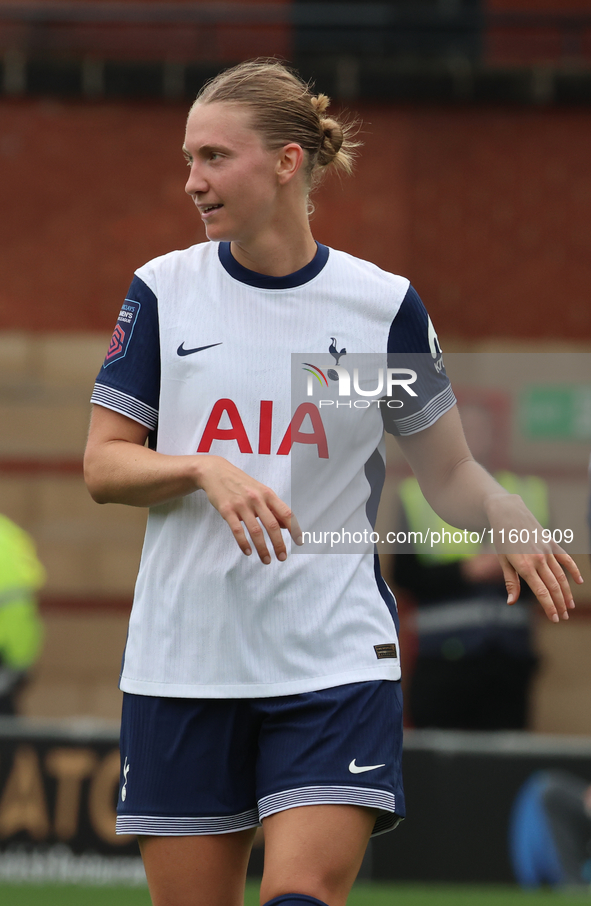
(443, 51)
(59, 785)
(460, 789)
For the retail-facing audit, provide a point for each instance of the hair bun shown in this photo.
(331, 133)
(332, 140)
(320, 103)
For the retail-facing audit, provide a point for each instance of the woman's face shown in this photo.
(233, 178)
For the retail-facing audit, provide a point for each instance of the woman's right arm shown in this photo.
(119, 468)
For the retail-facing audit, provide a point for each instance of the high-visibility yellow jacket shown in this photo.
(21, 577)
(423, 521)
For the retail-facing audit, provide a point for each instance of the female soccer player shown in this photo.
(266, 688)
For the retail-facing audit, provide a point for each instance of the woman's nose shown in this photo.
(195, 184)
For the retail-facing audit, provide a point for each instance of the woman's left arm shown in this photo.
(465, 495)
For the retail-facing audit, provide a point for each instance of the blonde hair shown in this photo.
(285, 110)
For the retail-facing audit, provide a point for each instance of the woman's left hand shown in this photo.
(465, 495)
(541, 563)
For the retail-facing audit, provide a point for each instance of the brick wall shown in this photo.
(487, 211)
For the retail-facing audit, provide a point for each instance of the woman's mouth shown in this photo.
(209, 208)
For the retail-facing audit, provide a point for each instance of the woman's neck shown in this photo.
(274, 255)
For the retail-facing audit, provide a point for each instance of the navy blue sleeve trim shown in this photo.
(413, 348)
(409, 331)
(129, 380)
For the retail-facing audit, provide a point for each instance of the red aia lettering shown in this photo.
(293, 435)
(212, 432)
(265, 426)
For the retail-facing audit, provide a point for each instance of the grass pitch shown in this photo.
(458, 895)
(362, 895)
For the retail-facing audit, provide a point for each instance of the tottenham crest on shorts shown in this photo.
(123, 331)
(124, 787)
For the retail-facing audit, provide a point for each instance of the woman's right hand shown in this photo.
(245, 503)
(119, 468)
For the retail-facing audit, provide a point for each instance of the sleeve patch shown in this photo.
(123, 332)
(413, 345)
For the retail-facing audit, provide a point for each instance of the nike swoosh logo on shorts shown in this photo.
(360, 769)
(182, 351)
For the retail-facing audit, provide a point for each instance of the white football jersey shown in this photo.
(203, 354)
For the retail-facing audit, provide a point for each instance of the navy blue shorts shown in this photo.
(214, 766)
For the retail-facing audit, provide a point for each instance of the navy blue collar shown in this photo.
(264, 281)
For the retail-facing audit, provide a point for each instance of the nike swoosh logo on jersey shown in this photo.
(182, 351)
(360, 769)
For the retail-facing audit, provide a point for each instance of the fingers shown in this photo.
(294, 529)
(238, 531)
(246, 521)
(550, 592)
(259, 517)
(557, 569)
(253, 511)
(512, 583)
(273, 520)
(547, 580)
(263, 516)
(567, 562)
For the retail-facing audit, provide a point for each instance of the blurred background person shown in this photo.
(21, 628)
(475, 655)
(550, 831)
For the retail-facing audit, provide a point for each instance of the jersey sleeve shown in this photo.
(413, 347)
(129, 380)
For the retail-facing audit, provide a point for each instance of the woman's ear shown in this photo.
(290, 161)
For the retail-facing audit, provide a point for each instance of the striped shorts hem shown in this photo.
(151, 825)
(170, 826)
(383, 800)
